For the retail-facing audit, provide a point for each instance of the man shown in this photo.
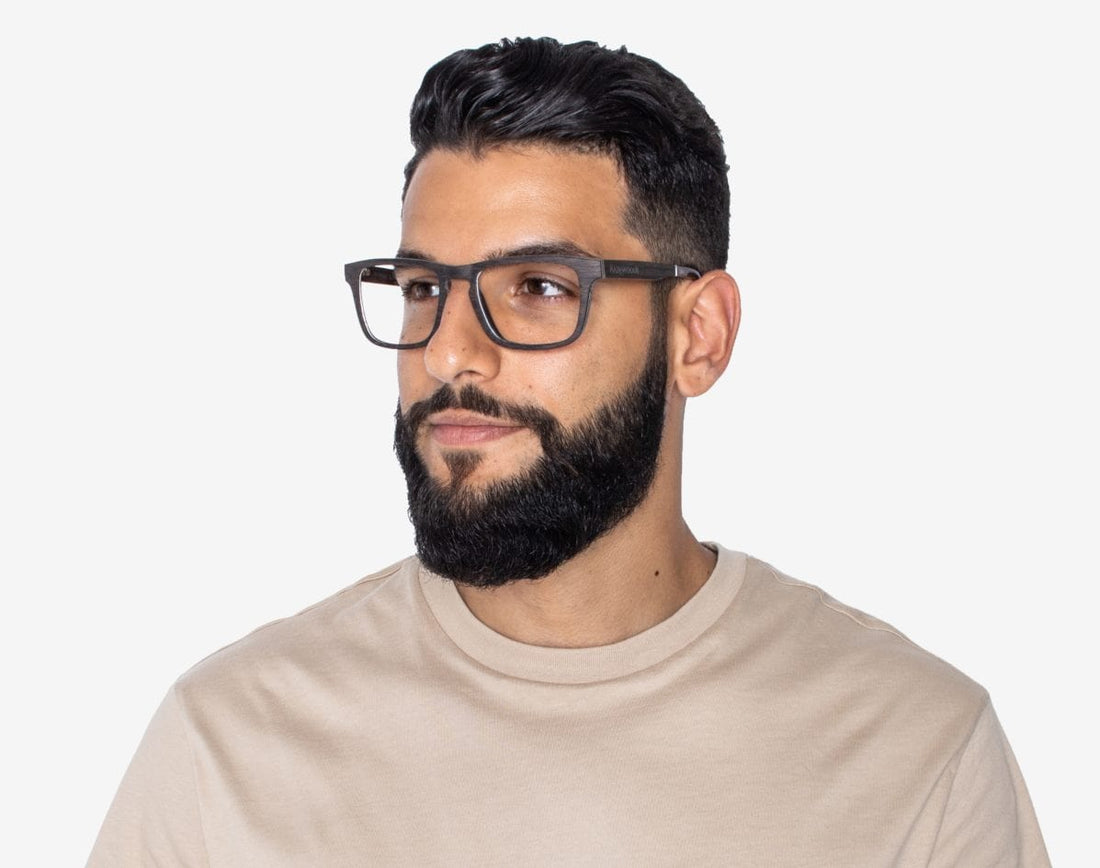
(565, 675)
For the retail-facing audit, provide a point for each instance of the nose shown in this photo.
(460, 349)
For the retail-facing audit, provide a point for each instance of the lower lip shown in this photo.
(470, 435)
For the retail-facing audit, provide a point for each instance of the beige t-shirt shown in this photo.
(763, 724)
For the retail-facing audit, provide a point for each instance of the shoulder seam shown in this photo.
(373, 577)
(833, 606)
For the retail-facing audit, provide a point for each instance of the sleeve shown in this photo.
(155, 818)
(989, 819)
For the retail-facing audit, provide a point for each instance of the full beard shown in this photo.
(587, 480)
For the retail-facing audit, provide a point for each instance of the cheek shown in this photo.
(611, 353)
(412, 378)
(621, 316)
(619, 337)
(574, 386)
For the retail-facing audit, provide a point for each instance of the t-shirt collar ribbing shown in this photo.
(585, 665)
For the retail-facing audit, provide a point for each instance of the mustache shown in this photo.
(471, 398)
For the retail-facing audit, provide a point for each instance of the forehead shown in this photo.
(462, 208)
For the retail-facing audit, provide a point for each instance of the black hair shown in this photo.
(585, 97)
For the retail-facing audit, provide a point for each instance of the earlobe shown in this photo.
(704, 317)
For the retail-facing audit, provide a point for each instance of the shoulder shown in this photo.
(823, 642)
(348, 621)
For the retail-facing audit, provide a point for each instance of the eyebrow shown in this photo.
(542, 248)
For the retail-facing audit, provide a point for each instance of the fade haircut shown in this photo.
(587, 98)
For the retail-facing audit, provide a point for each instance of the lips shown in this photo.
(466, 428)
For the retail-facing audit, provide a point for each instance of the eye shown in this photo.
(544, 287)
(420, 290)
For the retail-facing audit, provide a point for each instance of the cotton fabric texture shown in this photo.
(763, 724)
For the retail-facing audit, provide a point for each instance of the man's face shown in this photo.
(494, 430)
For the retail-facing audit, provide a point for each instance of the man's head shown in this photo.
(518, 460)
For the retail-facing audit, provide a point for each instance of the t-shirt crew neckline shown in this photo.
(586, 665)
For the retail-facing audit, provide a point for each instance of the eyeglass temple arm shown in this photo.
(354, 270)
(646, 270)
(382, 275)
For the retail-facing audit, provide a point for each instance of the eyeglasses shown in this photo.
(522, 303)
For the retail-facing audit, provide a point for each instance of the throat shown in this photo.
(611, 592)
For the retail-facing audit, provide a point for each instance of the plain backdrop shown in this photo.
(196, 436)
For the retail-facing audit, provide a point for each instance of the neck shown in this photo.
(629, 580)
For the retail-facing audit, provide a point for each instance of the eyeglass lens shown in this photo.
(526, 302)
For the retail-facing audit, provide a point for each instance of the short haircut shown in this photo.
(588, 98)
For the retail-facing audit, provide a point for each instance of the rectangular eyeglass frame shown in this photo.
(588, 270)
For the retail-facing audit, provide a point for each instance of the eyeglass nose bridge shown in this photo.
(471, 274)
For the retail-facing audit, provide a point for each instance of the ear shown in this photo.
(703, 320)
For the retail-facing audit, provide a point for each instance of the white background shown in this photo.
(196, 436)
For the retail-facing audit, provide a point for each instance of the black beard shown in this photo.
(587, 480)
